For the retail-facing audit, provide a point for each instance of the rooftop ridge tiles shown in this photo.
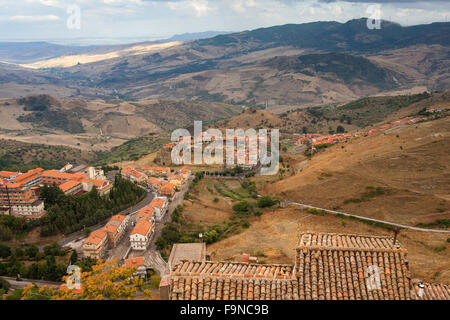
(337, 248)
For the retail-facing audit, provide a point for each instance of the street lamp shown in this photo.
(200, 235)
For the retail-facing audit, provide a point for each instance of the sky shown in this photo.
(157, 19)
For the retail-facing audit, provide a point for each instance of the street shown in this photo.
(152, 257)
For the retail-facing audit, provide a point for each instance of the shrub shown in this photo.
(266, 201)
(154, 281)
(241, 207)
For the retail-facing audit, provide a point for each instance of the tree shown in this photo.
(265, 202)
(73, 257)
(5, 251)
(31, 252)
(242, 207)
(340, 129)
(106, 281)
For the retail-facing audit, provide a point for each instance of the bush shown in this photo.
(4, 285)
(154, 281)
(31, 252)
(266, 201)
(5, 251)
(241, 207)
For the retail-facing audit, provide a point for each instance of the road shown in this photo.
(26, 282)
(152, 257)
(371, 219)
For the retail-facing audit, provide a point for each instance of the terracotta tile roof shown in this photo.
(63, 175)
(142, 227)
(98, 183)
(145, 211)
(4, 184)
(132, 172)
(226, 288)
(327, 267)
(134, 262)
(168, 187)
(153, 180)
(331, 240)
(66, 186)
(232, 269)
(26, 177)
(8, 174)
(118, 217)
(431, 291)
(337, 267)
(158, 203)
(96, 237)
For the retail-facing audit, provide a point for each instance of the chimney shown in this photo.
(396, 232)
(421, 287)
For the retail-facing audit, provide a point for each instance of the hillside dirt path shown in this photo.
(370, 219)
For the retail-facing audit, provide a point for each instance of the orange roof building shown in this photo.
(71, 187)
(168, 189)
(141, 234)
(95, 245)
(134, 262)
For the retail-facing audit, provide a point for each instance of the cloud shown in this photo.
(199, 7)
(49, 17)
(378, 1)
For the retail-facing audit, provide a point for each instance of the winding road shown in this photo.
(403, 226)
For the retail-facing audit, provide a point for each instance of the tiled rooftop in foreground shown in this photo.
(327, 267)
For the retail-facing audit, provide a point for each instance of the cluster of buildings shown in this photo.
(19, 192)
(159, 179)
(99, 241)
(326, 267)
(164, 156)
(316, 139)
(142, 224)
(401, 122)
(164, 183)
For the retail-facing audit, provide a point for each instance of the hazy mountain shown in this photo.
(290, 65)
(353, 36)
(195, 36)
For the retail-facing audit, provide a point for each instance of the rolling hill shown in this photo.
(282, 66)
(99, 124)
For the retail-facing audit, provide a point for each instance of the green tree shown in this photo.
(340, 129)
(266, 201)
(31, 252)
(73, 257)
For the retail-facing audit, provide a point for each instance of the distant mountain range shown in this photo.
(22, 52)
(289, 65)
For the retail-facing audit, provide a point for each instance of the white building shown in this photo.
(141, 235)
(160, 205)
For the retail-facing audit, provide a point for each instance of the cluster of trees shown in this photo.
(198, 176)
(68, 214)
(228, 172)
(11, 226)
(44, 264)
(106, 281)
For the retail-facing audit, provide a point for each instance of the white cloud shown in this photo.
(49, 17)
(199, 7)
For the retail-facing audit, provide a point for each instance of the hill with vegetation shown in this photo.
(321, 62)
(20, 156)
